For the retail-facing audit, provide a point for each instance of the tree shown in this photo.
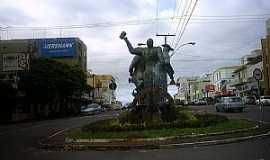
(7, 97)
(52, 84)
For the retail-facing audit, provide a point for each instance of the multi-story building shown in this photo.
(183, 89)
(268, 27)
(67, 50)
(15, 56)
(103, 88)
(191, 88)
(223, 78)
(265, 43)
(245, 84)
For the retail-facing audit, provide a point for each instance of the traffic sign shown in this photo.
(113, 86)
(257, 74)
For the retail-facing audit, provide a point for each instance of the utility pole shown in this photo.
(165, 36)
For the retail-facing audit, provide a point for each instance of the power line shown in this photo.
(157, 14)
(183, 24)
(178, 42)
(141, 22)
(174, 60)
(177, 31)
(175, 10)
(207, 60)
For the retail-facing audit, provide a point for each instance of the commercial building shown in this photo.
(183, 90)
(265, 43)
(15, 58)
(245, 84)
(191, 88)
(223, 78)
(103, 88)
(268, 27)
(67, 50)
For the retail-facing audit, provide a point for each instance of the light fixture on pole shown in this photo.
(189, 43)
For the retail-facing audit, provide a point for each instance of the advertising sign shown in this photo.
(15, 61)
(57, 47)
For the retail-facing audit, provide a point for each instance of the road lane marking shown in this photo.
(49, 122)
(58, 132)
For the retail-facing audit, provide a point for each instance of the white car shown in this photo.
(265, 101)
(229, 103)
(91, 109)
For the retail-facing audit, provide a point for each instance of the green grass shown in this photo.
(230, 125)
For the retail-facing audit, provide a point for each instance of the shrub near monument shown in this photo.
(185, 124)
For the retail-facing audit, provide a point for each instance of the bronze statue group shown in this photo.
(148, 71)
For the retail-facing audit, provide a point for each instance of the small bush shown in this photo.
(210, 119)
(135, 136)
(185, 119)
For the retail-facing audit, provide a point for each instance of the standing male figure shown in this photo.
(167, 64)
(151, 57)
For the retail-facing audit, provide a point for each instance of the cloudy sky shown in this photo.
(224, 31)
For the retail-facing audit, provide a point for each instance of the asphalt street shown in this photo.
(18, 142)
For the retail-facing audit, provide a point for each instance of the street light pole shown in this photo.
(189, 43)
(165, 36)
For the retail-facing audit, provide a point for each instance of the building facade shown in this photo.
(266, 66)
(103, 88)
(245, 84)
(67, 50)
(15, 58)
(223, 78)
(192, 88)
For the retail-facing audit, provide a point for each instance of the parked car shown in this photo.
(265, 101)
(91, 109)
(202, 102)
(229, 103)
(199, 102)
(249, 100)
(193, 102)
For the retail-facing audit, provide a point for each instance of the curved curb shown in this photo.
(69, 140)
(216, 142)
(81, 146)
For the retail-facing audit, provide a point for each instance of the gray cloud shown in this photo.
(107, 54)
(14, 16)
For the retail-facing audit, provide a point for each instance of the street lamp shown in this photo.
(189, 43)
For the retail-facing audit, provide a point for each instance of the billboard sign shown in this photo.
(57, 47)
(15, 62)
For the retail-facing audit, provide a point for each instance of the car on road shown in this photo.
(199, 102)
(230, 104)
(91, 109)
(202, 102)
(265, 101)
(249, 100)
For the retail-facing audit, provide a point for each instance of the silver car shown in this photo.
(229, 103)
(91, 109)
(265, 101)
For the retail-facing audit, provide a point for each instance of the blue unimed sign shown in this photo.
(57, 47)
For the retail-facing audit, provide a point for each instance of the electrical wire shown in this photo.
(177, 31)
(157, 14)
(183, 24)
(179, 40)
(175, 11)
(200, 19)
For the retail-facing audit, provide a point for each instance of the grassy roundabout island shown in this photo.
(187, 124)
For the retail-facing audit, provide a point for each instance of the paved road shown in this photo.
(17, 142)
(251, 112)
